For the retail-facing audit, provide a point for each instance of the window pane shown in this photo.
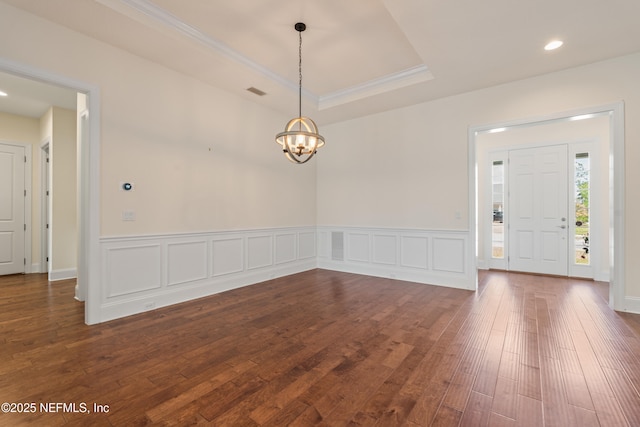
(582, 191)
(497, 232)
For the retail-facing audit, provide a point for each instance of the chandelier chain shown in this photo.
(300, 75)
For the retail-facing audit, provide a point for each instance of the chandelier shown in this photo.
(300, 139)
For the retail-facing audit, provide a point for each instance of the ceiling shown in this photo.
(359, 56)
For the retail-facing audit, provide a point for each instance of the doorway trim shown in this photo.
(45, 179)
(88, 174)
(616, 196)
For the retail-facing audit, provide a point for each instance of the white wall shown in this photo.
(201, 158)
(408, 168)
(63, 197)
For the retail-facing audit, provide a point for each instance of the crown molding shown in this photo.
(149, 14)
(408, 77)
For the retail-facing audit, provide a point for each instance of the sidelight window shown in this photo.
(497, 197)
(582, 190)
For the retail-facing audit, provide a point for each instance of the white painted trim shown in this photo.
(45, 178)
(617, 179)
(28, 183)
(377, 86)
(83, 141)
(89, 199)
(146, 272)
(616, 208)
(436, 257)
(64, 274)
(472, 163)
(631, 305)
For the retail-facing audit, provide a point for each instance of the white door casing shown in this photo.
(538, 205)
(12, 209)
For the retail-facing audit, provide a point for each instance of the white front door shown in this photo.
(538, 204)
(12, 209)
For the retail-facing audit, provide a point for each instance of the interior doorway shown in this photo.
(88, 165)
(612, 174)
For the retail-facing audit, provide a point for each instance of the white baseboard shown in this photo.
(632, 305)
(70, 273)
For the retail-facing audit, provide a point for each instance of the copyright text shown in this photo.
(54, 407)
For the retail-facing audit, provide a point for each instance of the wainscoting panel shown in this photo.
(186, 262)
(307, 245)
(259, 251)
(385, 249)
(227, 255)
(358, 247)
(414, 252)
(285, 248)
(438, 257)
(143, 273)
(133, 269)
(448, 254)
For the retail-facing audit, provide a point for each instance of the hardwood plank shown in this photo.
(529, 382)
(577, 390)
(478, 410)
(446, 417)
(627, 395)
(329, 348)
(505, 400)
(556, 408)
(529, 412)
(496, 420)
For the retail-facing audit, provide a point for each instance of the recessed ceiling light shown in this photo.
(497, 130)
(3, 93)
(582, 117)
(553, 45)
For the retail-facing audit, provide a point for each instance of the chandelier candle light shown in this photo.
(300, 139)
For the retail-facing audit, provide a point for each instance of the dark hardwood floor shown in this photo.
(326, 348)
